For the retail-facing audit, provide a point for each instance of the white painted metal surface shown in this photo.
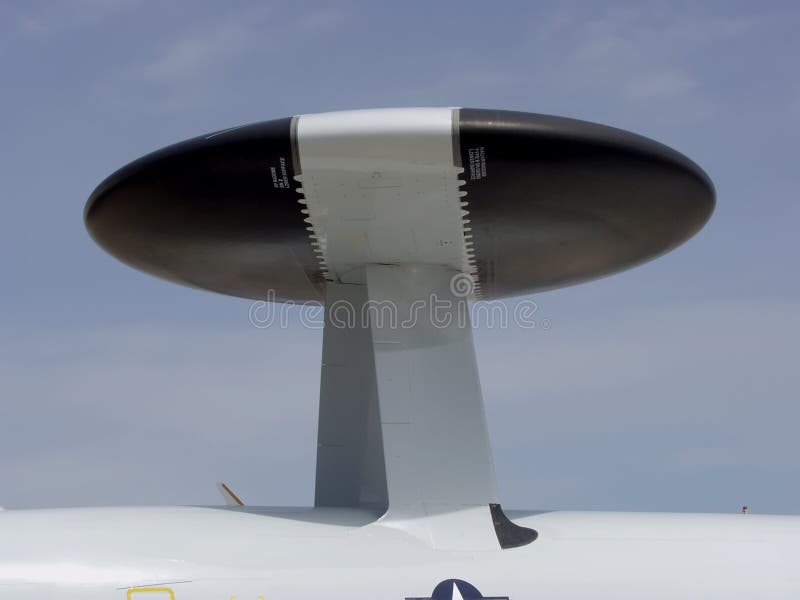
(350, 464)
(439, 469)
(436, 441)
(401, 409)
(217, 554)
(382, 187)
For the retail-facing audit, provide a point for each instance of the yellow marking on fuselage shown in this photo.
(131, 592)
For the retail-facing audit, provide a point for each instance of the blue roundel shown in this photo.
(457, 589)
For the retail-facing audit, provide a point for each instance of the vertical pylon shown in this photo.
(402, 421)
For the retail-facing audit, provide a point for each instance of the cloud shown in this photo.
(213, 61)
(92, 12)
(324, 19)
(32, 25)
(187, 68)
(198, 53)
(643, 54)
(625, 62)
(56, 16)
(669, 82)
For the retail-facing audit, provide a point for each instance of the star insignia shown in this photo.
(457, 589)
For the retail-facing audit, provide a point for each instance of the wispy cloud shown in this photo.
(664, 84)
(33, 25)
(55, 16)
(634, 53)
(199, 52)
(323, 19)
(618, 59)
(191, 68)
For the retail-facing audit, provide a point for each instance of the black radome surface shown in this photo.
(552, 202)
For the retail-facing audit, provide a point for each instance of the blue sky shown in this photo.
(673, 386)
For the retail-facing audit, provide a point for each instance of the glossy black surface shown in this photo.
(564, 201)
(207, 213)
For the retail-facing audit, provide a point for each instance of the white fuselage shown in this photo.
(196, 553)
